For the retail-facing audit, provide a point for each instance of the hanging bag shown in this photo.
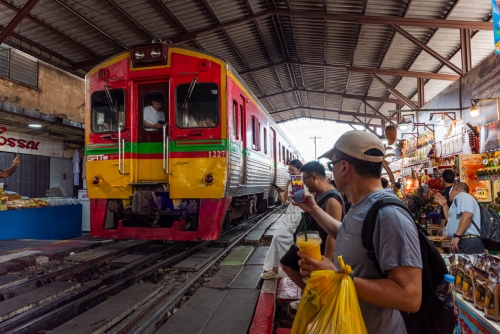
(329, 304)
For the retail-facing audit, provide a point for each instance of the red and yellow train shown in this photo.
(209, 158)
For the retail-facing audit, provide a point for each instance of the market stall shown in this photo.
(474, 155)
(471, 320)
(39, 218)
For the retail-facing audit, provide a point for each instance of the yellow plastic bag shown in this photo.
(329, 304)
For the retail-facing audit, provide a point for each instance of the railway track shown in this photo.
(56, 311)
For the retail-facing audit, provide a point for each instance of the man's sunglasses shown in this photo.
(330, 164)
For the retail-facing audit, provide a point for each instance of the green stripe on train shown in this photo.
(157, 147)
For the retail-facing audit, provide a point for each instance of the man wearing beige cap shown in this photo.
(357, 166)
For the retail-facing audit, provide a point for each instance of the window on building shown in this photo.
(18, 66)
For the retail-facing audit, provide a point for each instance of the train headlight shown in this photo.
(209, 179)
(139, 54)
(96, 180)
(146, 55)
(155, 53)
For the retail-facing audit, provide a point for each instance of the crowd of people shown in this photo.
(356, 163)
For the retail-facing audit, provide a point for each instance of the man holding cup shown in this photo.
(357, 166)
(9, 171)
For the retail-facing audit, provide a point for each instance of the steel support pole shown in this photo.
(420, 91)
(466, 50)
(315, 137)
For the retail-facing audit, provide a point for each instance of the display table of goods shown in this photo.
(477, 280)
(15, 202)
(40, 218)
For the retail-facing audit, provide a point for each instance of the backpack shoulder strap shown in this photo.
(369, 227)
(332, 194)
(481, 213)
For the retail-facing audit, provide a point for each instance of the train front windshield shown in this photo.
(197, 105)
(108, 110)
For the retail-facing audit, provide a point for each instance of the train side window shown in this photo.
(236, 129)
(265, 141)
(279, 151)
(284, 156)
(197, 105)
(107, 112)
(153, 105)
(255, 134)
(242, 120)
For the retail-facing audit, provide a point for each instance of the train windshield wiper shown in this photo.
(188, 94)
(110, 100)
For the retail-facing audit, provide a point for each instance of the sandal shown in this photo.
(269, 275)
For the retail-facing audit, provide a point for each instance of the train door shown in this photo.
(244, 151)
(152, 111)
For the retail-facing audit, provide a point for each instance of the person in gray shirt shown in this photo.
(464, 209)
(357, 165)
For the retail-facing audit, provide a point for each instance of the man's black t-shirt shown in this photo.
(291, 258)
(446, 193)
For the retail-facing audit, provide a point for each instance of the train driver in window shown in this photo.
(211, 120)
(154, 118)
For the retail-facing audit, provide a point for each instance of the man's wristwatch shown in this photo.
(457, 236)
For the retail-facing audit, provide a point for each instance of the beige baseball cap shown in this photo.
(355, 143)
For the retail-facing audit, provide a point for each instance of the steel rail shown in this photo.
(148, 323)
(52, 314)
(19, 288)
(63, 309)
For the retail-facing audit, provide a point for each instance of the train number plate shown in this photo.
(216, 154)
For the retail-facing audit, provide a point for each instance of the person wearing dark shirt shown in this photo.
(385, 182)
(449, 181)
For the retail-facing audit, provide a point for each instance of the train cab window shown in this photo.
(107, 110)
(284, 156)
(197, 105)
(153, 105)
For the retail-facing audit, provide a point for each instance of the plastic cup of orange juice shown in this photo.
(312, 246)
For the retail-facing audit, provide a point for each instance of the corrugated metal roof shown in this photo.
(292, 59)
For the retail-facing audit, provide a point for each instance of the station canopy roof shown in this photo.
(327, 59)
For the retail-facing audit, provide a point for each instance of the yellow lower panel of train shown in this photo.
(188, 177)
(111, 184)
(150, 170)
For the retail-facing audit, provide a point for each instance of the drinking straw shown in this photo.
(305, 226)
